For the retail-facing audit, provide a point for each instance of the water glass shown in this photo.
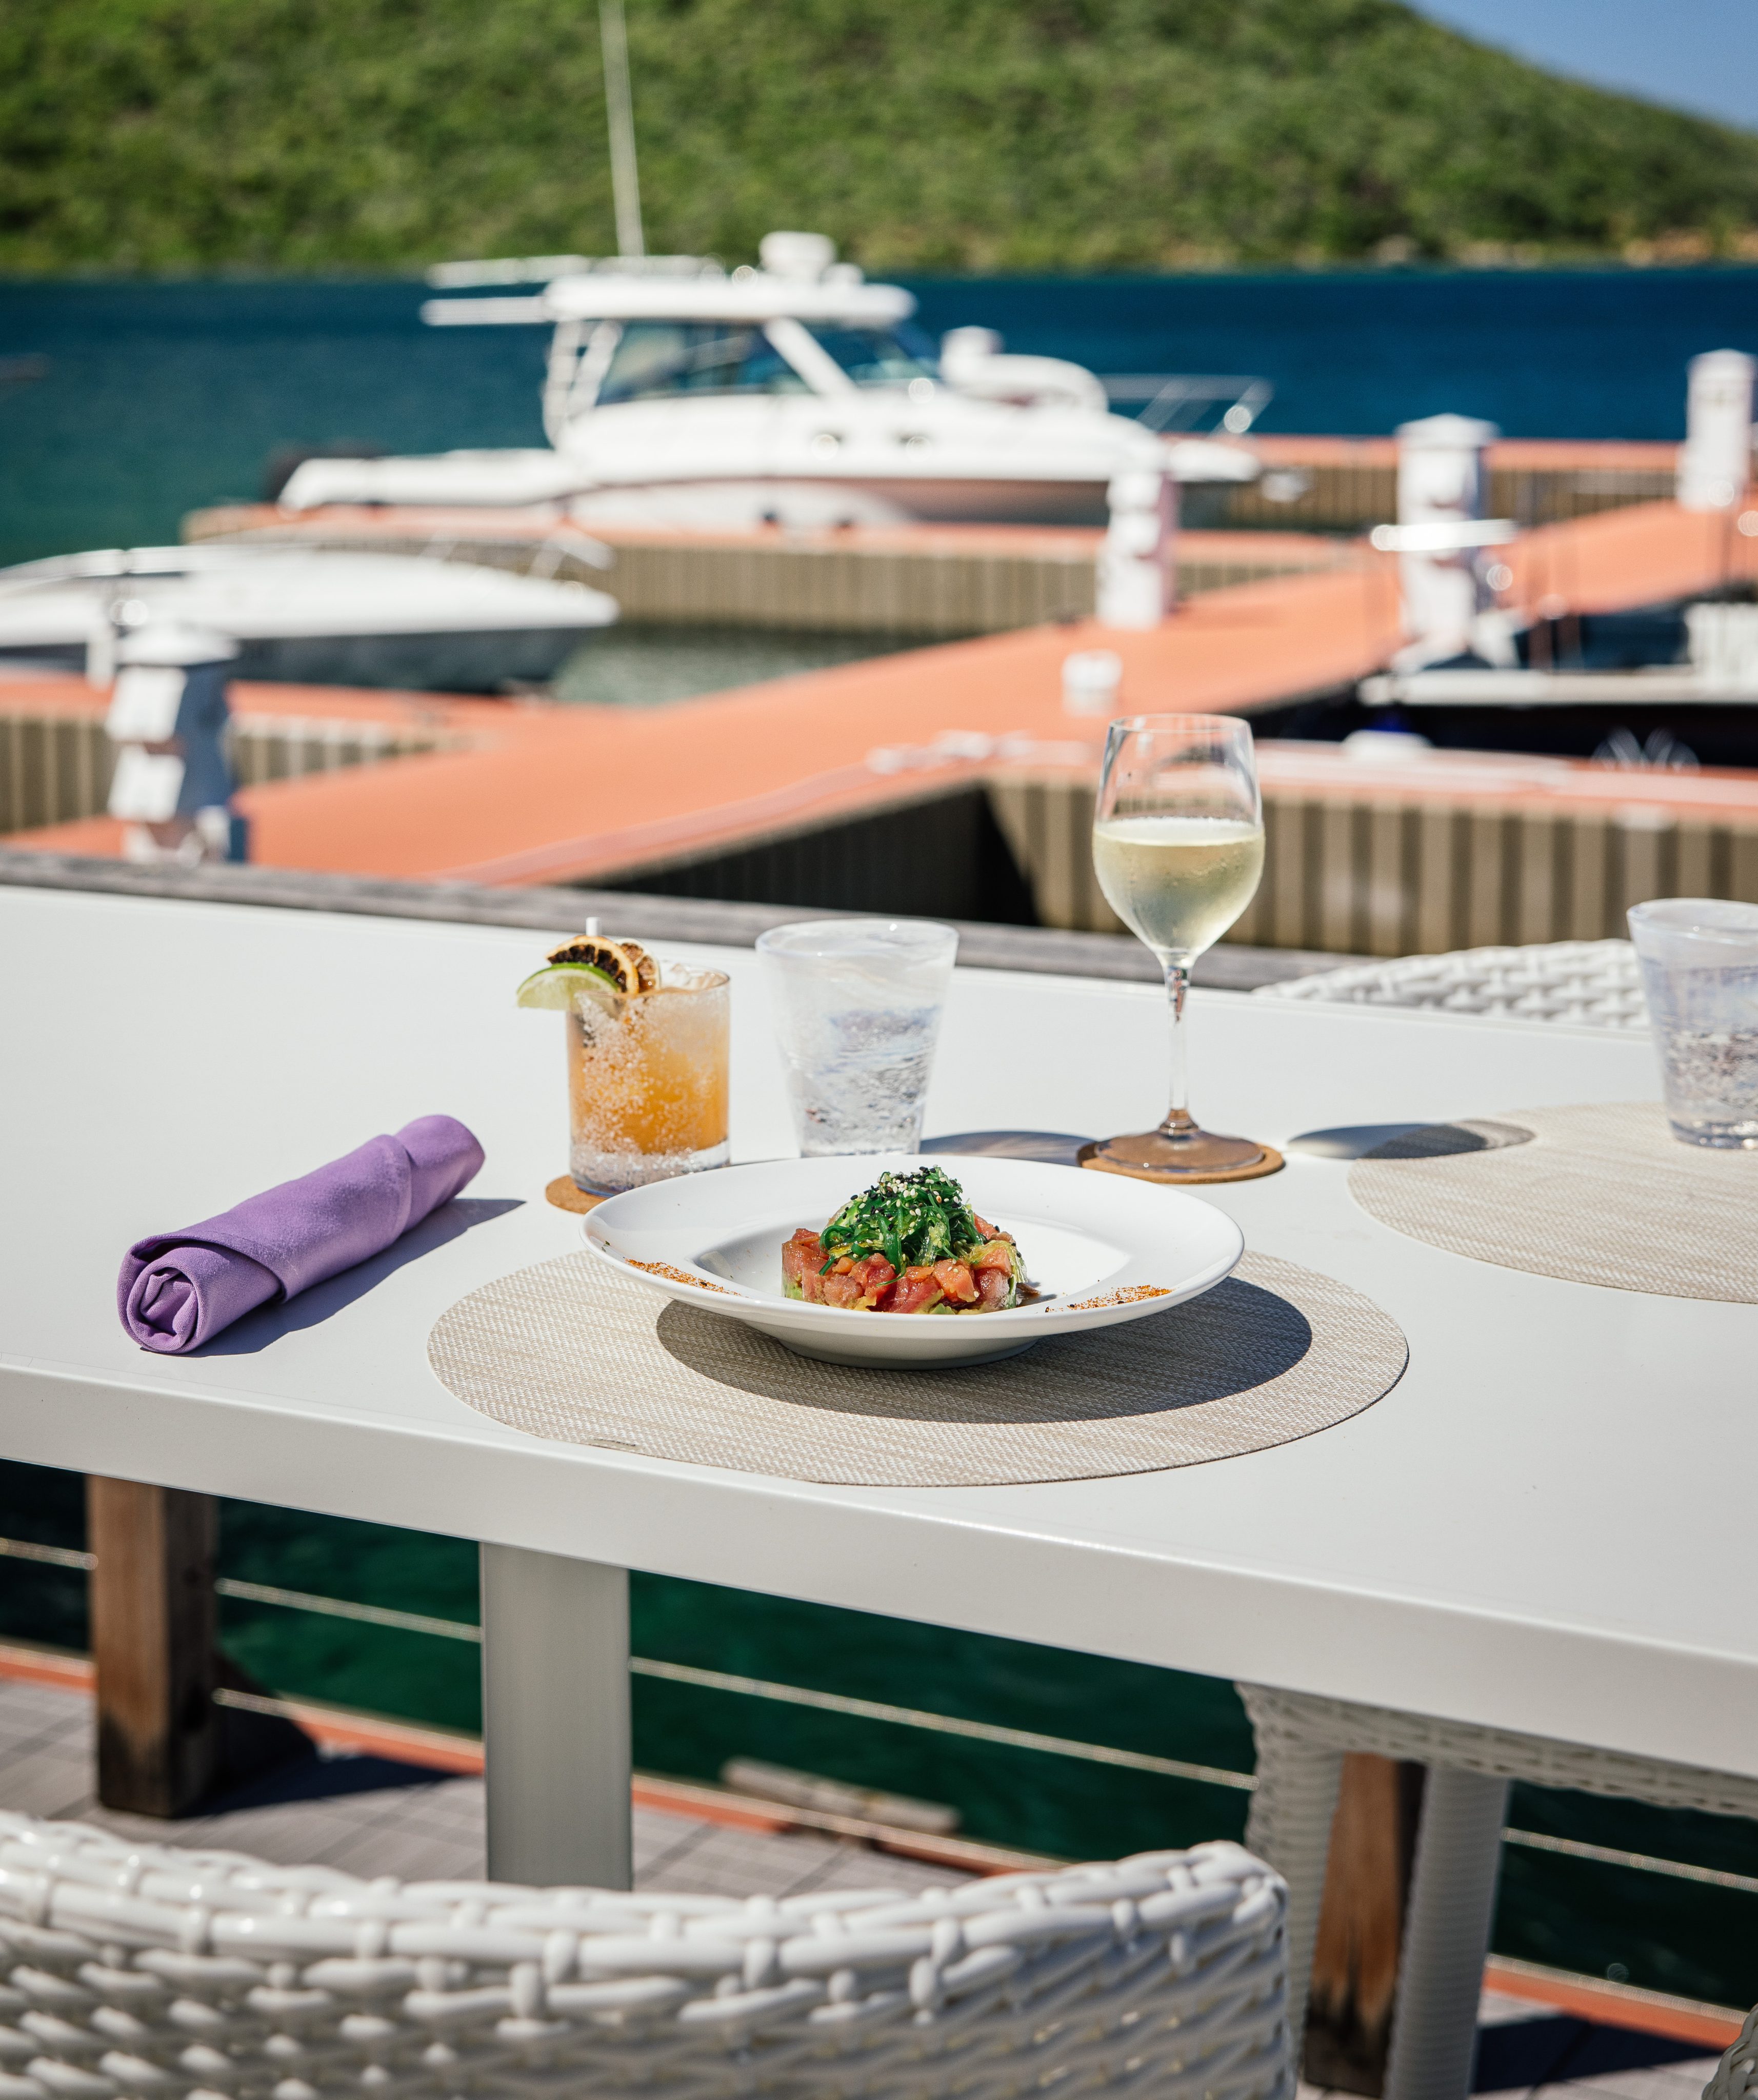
(857, 1005)
(1699, 958)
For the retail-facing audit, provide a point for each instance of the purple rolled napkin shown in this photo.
(179, 1290)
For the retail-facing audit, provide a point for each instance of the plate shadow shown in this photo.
(1232, 1338)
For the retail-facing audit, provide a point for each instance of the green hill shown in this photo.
(925, 134)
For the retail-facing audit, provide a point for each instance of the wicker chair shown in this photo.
(1593, 983)
(1301, 1741)
(1737, 2074)
(154, 1973)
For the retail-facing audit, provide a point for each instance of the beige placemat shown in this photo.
(571, 1350)
(1599, 1194)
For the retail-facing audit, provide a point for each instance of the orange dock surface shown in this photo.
(542, 793)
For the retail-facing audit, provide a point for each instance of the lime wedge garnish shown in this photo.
(558, 989)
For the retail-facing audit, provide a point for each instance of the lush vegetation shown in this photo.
(926, 135)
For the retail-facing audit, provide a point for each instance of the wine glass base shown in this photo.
(1150, 1155)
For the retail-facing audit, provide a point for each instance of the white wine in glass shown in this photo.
(1178, 848)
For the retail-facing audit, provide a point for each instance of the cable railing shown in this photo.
(871, 1709)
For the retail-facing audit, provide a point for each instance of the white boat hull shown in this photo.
(733, 462)
(306, 616)
(493, 661)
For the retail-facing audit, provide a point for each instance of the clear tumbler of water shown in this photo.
(1699, 957)
(857, 1005)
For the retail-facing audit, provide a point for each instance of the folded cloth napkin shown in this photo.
(177, 1289)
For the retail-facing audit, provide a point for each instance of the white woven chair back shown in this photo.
(1593, 983)
(1737, 2074)
(1339, 1724)
(150, 1971)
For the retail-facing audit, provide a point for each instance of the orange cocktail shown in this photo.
(646, 1080)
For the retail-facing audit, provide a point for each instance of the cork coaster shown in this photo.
(1271, 1163)
(567, 1195)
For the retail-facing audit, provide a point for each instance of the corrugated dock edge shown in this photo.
(1046, 949)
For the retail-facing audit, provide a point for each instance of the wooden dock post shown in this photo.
(153, 1645)
(1361, 1927)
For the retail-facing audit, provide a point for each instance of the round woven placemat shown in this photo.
(1603, 1193)
(571, 1350)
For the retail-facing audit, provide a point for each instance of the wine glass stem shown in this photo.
(1179, 1122)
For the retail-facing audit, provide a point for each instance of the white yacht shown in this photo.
(303, 615)
(795, 393)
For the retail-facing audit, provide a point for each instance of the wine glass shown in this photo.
(1178, 848)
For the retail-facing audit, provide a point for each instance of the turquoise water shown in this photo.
(160, 397)
(645, 667)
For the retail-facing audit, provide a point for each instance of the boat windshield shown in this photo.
(877, 356)
(655, 359)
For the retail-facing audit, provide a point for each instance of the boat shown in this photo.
(305, 616)
(795, 393)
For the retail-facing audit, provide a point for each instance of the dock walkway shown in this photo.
(516, 794)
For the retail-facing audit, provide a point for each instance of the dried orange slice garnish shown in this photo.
(625, 964)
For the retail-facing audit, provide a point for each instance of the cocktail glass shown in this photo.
(857, 1007)
(646, 1080)
(1699, 958)
(1178, 848)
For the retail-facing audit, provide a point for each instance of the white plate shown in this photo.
(1102, 1250)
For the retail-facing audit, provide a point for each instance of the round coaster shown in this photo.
(566, 1193)
(1602, 1192)
(1272, 1160)
(573, 1350)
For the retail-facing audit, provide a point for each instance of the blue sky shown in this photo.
(1695, 55)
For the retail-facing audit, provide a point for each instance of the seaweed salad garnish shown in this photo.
(911, 1219)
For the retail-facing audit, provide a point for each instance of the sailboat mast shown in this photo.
(619, 108)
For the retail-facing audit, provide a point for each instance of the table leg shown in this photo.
(555, 1718)
(1452, 1907)
(1289, 1828)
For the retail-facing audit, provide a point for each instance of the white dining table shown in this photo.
(1529, 1531)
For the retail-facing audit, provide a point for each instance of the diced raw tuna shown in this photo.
(957, 1282)
(916, 1290)
(994, 1286)
(854, 1286)
(802, 1256)
(998, 1254)
(876, 1277)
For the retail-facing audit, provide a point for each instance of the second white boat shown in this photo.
(304, 615)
